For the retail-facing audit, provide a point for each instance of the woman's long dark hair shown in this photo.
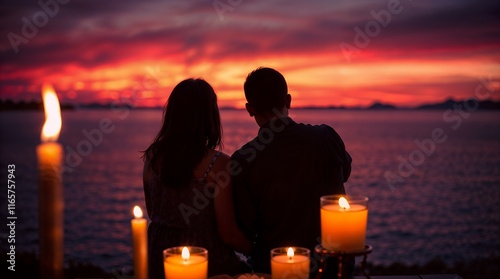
(191, 124)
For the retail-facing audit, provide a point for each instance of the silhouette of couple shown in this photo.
(266, 195)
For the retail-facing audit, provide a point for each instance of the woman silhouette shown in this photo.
(187, 188)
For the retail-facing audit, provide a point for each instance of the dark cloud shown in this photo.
(464, 27)
(89, 34)
(161, 22)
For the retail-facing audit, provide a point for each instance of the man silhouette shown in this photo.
(280, 175)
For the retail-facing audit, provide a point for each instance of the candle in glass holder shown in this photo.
(185, 262)
(140, 244)
(290, 262)
(50, 192)
(343, 222)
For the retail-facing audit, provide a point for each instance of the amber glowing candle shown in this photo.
(140, 244)
(291, 262)
(343, 223)
(185, 262)
(50, 191)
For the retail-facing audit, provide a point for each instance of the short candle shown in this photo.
(185, 262)
(290, 262)
(140, 244)
(343, 222)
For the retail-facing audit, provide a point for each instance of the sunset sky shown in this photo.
(332, 52)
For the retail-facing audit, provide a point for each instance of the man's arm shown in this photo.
(338, 147)
(347, 165)
(243, 203)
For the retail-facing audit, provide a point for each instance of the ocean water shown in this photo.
(442, 198)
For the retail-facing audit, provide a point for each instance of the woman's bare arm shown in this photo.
(224, 208)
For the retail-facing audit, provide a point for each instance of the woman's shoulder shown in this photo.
(223, 156)
(222, 160)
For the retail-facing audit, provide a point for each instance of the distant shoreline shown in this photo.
(9, 105)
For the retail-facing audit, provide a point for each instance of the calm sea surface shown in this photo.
(442, 199)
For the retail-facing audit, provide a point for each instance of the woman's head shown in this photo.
(191, 124)
(191, 113)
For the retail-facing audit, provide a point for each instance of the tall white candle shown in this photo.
(50, 191)
(140, 244)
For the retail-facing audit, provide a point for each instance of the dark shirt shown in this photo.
(279, 178)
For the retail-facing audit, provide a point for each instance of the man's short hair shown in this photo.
(265, 90)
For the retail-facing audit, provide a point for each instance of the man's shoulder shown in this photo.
(320, 134)
(240, 153)
(319, 129)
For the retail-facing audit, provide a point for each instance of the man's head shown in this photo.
(266, 92)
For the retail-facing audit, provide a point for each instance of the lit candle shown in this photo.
(186, 262)
(140, 244)
(291, 262)
(50, 192)
(343, 223)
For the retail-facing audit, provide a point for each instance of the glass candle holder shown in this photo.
(290, 262)
(343, 222)
(185, 262)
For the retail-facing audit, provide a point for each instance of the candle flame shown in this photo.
(185, 254)
(137, 212)
(53, 122)
(290, 253)
(344, 203)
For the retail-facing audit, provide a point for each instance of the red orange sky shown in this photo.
(331, 52)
